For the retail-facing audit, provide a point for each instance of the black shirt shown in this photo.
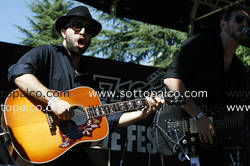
(200, 65)
(51, 65)
(54, 68)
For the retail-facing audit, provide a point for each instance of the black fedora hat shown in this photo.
(82, 12)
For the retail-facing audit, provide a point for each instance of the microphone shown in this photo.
(245, 30)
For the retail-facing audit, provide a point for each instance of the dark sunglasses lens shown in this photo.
(90, 30)
(77, 27)
(239, 19)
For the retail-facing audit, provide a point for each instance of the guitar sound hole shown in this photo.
(80, 116)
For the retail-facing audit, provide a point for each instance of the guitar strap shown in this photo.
(124, 142)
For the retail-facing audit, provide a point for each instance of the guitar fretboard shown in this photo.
(103, 110)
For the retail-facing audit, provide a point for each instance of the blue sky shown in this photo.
(13, 12)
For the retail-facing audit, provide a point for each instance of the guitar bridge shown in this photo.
(51, 122)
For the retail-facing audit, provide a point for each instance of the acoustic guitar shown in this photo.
(38, 136)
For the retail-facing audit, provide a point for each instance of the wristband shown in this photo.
(51, 101)
(200, 115)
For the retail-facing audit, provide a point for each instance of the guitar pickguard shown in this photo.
(70, 132)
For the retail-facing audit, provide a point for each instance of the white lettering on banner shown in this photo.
(131, 137)
(139, 139)
(114, 143)
(151, 145)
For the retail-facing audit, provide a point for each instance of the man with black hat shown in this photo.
(47, 67)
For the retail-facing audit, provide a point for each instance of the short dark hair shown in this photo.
(227, 14)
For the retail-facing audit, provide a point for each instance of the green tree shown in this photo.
(243, 53)
(121, 39)
(133, 41)
(42, 30)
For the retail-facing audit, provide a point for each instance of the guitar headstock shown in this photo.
(175, 98)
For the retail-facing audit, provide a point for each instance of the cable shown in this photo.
(176, 143)
(149, 158)
(180, 145)
(153, 134)
(123, 152)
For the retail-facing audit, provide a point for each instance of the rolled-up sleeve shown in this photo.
(18, 70)
(29, 63)
(187, 60)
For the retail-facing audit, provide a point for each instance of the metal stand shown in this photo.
(235, 156)
(194, 160)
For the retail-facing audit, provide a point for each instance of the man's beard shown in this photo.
(238, 38)
(75, 51)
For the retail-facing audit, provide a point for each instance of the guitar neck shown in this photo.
(103, 110)
(226, 124)
(229, 124)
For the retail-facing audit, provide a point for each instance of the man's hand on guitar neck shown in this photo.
(128, 118)
(155, 104)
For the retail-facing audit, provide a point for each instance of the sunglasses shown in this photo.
(240, 18)
(77, 27)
